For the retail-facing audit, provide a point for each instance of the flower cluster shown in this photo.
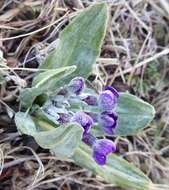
(71, 105)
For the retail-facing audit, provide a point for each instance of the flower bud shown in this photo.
(91, 100)
(89, 139)
(113, 90)
(76, 85)
(108, 99)
(93, 115)
(108, 121)
(101, 148)
(84, 120)
(64, 118)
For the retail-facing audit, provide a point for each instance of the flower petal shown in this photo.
(104, 146)
(89, 139)
(101, 148)
(108, 121)
(107, 100)
(113, 90)
(84, 120)
(76, 85)
(99, 158)
(91, 100)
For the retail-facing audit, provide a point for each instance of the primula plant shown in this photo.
(71, 104)
(74, 121)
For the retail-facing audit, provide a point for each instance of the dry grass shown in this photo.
(137, 39)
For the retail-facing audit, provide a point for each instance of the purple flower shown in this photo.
(93, 115)
(89, 139)
(91, 100)
(76, 85)
(113, 90)
(108, 121)
(63, 118)
(84, 120)
(108, 99)
(101, 148)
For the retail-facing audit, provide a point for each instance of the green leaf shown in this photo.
(25, 123)
(62, 141)
(80, 41)
(134, 115)
(79, 45)
(28, 95)
(47, 79)
(47, 82)
(117, 171)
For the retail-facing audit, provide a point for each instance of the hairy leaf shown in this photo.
(25, 123)
(134, 114)
(80, 41)
(62, 141)
(47, 82)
